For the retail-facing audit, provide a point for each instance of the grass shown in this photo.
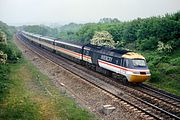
(28, 98)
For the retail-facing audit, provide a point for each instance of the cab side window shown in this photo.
(122, 62)
(86, 52)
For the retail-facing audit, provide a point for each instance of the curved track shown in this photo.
(124, 93)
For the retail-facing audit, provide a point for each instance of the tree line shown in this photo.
(139, 34)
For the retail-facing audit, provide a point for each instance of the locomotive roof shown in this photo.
(105, 49)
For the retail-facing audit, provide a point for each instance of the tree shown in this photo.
(108, 20)
(86, 33)
(130, 30)
(3, 37)
(3, 57)
(166, 48)
(103, 38)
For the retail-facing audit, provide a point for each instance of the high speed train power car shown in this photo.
(127, 64)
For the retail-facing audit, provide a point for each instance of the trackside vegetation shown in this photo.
(28, 98)
(157, 38)
(23, 89)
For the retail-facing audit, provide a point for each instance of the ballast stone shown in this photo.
(107, 109)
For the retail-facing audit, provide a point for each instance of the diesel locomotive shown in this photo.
(126, 64)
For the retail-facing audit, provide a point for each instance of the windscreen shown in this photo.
(139, 63)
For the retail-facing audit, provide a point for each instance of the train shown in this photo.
(126, 65)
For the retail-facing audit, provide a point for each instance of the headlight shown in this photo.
(128, 72)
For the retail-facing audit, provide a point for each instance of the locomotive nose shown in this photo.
(139, 78)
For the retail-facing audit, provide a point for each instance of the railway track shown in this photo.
(170, 97)
(165, 105)
(126, 94)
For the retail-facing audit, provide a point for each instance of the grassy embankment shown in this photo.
(165, 70)
(24, 95)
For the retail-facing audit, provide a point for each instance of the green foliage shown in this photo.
(25, 110)
(13, 54)
(109, 20)
(155, 77)
(120, 44)
(164, 69)
(130, 29)
(9, 52)
(15, 103)
(8, 30)
(172, 70)
(145, 33)
(4, 81)
(103, 38)
(3, 38)
(175, 61)
(3, 57)
(86, 33)
(147, 44)
(71, 27)
(41, 29)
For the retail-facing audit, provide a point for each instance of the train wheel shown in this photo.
(124, 80)
(121, 78)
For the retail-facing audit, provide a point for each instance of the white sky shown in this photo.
(18, 12)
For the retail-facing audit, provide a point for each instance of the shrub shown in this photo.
(12, 54)
(162, 67)
(4, 81)
(172, 70)
(3, 57)
(147, 44)
(175, 61)
(155, 76)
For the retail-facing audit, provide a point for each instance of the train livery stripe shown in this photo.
(122, 68)
(87, 58)
(60, 49)
(68, 52)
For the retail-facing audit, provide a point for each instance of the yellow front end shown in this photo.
(138, 78)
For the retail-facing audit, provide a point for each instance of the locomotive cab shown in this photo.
(137, 68)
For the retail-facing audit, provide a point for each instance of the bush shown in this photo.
(175, 61)
(147, 44)
(162, 67)
(172, 70)
(155, 60)
(4, 81)
(12, 54)
(155, 76)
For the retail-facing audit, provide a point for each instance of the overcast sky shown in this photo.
(18, 12)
